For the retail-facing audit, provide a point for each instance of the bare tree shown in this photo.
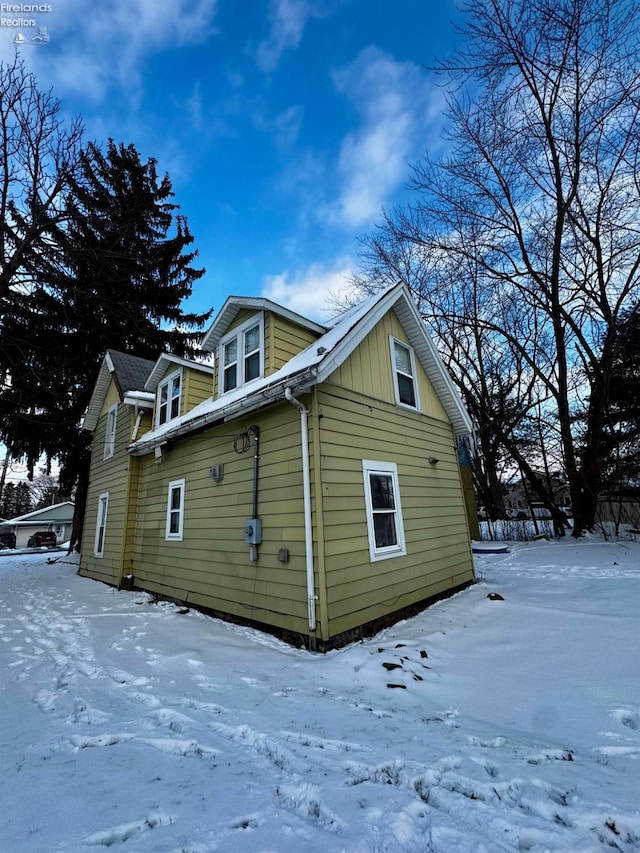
(38, 155)
(537, 205)
(500, 390)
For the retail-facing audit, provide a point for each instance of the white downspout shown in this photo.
(136, 428)
(306, 492)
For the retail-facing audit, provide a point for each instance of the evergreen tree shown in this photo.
(8, 501)
(622, 471)
(23, 498)
(16, 500)
(115, 275)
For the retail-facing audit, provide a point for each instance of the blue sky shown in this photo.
(285, 125)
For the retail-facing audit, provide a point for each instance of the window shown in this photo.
(241, 355)
(168, 400)
(110, 437)
(384, 514)
(404, 374)
(175, 510)
(101, 524)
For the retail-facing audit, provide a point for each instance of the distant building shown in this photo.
(521, 500)
(57, 518)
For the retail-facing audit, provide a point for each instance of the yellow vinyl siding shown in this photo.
(241, 317)
(196, 388)
(112, 476)
(369, 370)
(112, 396)
(352, 428)
(210, 567)
(131, 509)
(282, 340)
(286, 339)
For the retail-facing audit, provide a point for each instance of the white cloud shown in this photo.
(283, 127)
(93, 46)
(315, 292)
(397, 105)
(288, 19)
(194, 107)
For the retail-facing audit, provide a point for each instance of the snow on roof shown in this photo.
(53, 510)
(130, 371)
(166, 360)
(235, 304)
(315, 364)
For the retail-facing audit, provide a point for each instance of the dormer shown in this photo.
(253, 338)
(242, 354)
(117, 399)
(179, 384)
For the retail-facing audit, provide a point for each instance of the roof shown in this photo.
(315, 364)
(235, 304)
(55, 512)
(129, 372)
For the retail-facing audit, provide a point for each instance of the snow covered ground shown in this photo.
(479, 725)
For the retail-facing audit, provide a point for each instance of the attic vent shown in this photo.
(321, 350)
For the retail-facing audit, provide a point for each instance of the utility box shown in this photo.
(253, 531)
(216, 472)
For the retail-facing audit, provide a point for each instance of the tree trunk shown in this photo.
(82, 488)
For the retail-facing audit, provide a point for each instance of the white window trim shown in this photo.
(110, 435)
(168, 381)
(394, 372)
(101, 524)
(239, 332)
(175, 537)
(376, 553)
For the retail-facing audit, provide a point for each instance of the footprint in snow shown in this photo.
(81, 742)
(187, 748)
(304, 800)
(124, 831)
(628, 716)
(173, 720)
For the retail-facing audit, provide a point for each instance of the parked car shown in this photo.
(7, 539)
(42, 538)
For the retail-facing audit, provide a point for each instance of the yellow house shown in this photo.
(309, 484)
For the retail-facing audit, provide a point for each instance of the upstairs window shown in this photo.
(168, 398)
(384, 514)
(404, 374)
(242, 355)
(110, 435)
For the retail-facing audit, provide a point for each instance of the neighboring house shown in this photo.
(521, 500)
(309, 484)
(57, 517)
(619, 510)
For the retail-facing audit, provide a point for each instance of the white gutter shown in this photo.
(240, 406)
(306, 492)
(143, 399)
